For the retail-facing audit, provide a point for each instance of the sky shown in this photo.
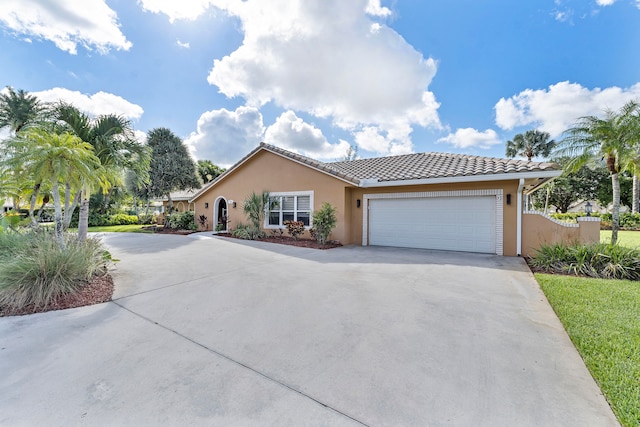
(318, 76)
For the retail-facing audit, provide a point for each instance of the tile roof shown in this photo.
(435, 165)
(401, 168)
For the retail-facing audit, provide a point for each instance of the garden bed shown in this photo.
(286, 240)
(98, 290)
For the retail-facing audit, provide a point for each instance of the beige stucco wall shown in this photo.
(539, 229)
(266, 171)
(178, 205)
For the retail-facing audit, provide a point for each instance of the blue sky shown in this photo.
(316, 76)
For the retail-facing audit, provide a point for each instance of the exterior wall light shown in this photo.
(232, 203)
(588, 208)
(206, 205)
(358, 203)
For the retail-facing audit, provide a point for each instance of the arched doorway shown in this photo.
(220, 218)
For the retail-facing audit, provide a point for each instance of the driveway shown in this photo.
(208, 331)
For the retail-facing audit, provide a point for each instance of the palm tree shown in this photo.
(114, 144)
(61, 159)
(18, 109)
(611, 138)
(533, 143)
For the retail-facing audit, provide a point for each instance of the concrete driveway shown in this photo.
(207, 331)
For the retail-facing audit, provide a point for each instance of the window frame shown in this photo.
(295, 194)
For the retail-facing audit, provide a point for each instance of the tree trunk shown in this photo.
(168, 211)
(32, 205)
(615, 214)
(636, 192)
(57, 205)
(68, 210)
(83, 218)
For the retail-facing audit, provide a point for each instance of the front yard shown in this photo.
(625, 238)
(602, 317)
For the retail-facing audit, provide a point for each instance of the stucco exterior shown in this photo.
(539, 229)
(266, 171)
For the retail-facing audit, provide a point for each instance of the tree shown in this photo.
(533, 143)
(61, 159)
(609, 138)
(208, 171)
(18, 109)
(350, 154)
(171, 167)
(114, 144)
(564, 191)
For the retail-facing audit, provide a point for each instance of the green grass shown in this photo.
(132, 228)
(630, 239)
(602, 317)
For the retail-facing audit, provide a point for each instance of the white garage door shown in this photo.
(445, 223)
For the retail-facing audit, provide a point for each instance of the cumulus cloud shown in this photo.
(67, 23)
(331, 60)
(605, 2)
(555, 109)
(472, 138)
(292, 133)
(94, 105)
(224, 136)
(175, 10)
(185, 45)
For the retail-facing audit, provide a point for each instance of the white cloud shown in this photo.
(605, 2)
(184, 9)
(185, 45)
(67, 23)
(331, 61)
(555, 109)
(94, 105)
(225, 136)
(292, 133)
(469, 137)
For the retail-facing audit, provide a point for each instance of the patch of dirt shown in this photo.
(287, 240)
(99, 289)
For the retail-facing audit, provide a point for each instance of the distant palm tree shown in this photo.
(18, 109)
(533, 143)
(114, 144)
(612, 139)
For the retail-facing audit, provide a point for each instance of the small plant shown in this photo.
(202, 221)
(278, 232)
(324, 221)
(248, 232)
(294, 228)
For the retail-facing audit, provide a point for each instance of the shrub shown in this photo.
(324, 221)
(145, 219)
(596, 260)
(36, 271)
(183, 221)
(248, 232)
(294, 228)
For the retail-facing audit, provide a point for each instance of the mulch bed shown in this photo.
(99, 289)
(287, 240)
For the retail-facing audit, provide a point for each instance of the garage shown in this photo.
(466, 223)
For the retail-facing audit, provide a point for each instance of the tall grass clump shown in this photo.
(35, 271)
(599, 260)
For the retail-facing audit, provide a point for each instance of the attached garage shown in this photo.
(454, 221)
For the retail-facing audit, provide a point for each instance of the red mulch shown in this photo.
(100, 289)
(287, 240)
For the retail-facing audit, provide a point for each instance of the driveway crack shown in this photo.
(243, 365)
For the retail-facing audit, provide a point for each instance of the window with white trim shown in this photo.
(293, 206)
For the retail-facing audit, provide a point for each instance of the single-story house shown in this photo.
(180, 200)
(425, 200)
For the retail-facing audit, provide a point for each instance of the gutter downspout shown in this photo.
(519, 219)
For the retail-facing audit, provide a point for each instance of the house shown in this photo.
(180, 201)
(425, 200)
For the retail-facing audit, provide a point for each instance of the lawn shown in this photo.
(133, 228)
(602, 318)
(630, 239)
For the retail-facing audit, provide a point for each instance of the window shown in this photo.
(290, 207)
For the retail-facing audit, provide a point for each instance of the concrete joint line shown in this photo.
(235, 362)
